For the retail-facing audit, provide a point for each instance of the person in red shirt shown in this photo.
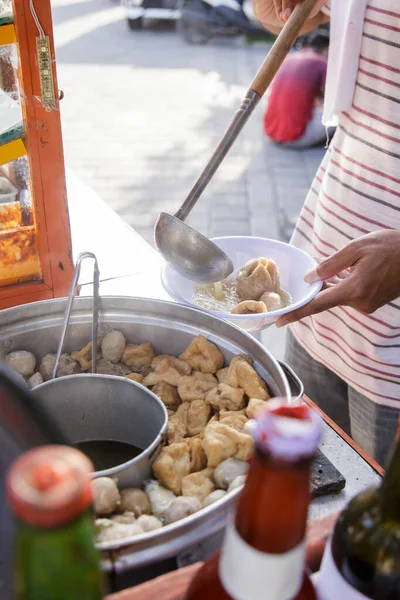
(294, 112)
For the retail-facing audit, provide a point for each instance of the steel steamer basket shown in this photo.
(170, 328)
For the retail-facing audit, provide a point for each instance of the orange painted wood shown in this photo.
(174, 585)
(43, 141)
(345, 437)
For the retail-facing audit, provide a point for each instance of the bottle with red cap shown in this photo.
(50, 493)
(263, 555)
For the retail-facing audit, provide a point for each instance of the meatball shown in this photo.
(22, 362)
(138, 357)
(160, 498)
(228, 471)
(35, 380)
(134, 500)
(66, 366)
(126, 518)
(203, 355)
(106, 496)
(213, 497)
(237, 482)
(149, 523)
(107, 530)
(113, 346)
(180, 508)
(272, 301)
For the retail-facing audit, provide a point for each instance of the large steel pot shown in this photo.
(170, 328)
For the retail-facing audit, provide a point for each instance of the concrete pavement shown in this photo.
(142, 114)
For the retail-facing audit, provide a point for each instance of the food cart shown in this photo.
(44, 228)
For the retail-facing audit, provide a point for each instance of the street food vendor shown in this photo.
(345, 344)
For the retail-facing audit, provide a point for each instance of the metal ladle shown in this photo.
(192, 254)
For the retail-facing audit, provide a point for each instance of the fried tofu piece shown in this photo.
(84, 356)
(238, 422)
(167, 393)
(196, 386)
(138, 377)
(198, 415)
(198, 459)
(177, 424)
(222, 374)
(203, 355)
(221, 442)
(172, 465)
(249, 307)
(225, 397)
(138, 356)
(199, 485)
(254, 406)
(167, 368)
(243, 375)
(257, 277)
(231, 377)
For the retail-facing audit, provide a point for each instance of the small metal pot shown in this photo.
(104, 407)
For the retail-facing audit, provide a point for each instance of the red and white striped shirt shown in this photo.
(357, 191)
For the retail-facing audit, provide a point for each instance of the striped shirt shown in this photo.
(357, 191)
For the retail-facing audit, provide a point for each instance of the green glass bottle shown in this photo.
(362, 560)
(55, 557)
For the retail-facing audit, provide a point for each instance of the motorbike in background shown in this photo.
(203, 20)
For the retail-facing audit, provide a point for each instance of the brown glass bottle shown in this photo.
(263, 553)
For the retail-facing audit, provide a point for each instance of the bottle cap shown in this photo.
(49, 486)
(289, 432)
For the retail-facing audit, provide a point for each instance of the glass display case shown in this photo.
(35, 241)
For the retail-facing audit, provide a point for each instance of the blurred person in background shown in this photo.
(295, 105)
(345, 344)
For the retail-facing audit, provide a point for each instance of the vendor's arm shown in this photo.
(365, 275)
(274, 13)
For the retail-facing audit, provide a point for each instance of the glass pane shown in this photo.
(6, 12)
(19, 259)
(10, 104)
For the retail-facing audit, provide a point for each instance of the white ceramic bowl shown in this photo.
(293, 265)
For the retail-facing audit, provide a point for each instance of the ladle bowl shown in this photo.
(183, 247)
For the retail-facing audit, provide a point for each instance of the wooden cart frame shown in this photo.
(43, 142)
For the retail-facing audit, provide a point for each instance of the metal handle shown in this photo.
(96, 307)
(258, 87)
(294, 381)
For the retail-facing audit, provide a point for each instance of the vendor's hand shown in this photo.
(274, 13)
(365, 275)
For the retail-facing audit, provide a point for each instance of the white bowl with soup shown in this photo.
(293, 264)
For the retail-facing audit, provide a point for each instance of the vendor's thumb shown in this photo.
(332, 266)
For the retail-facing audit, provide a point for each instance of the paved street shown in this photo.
(143, 112)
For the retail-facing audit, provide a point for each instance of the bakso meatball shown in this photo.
(213, 497)
(22, 362)
(35, 380)
(181, 507)
(228, 471)
(237, 482)
(272, 301)
(160, 498)
(113, 346)
(149, 523)
(134, 500)
(106, 496)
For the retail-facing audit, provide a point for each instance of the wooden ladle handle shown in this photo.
(281, 47)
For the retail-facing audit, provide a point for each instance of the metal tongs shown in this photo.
(96, 308)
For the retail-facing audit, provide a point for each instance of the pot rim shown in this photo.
(159, 439)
